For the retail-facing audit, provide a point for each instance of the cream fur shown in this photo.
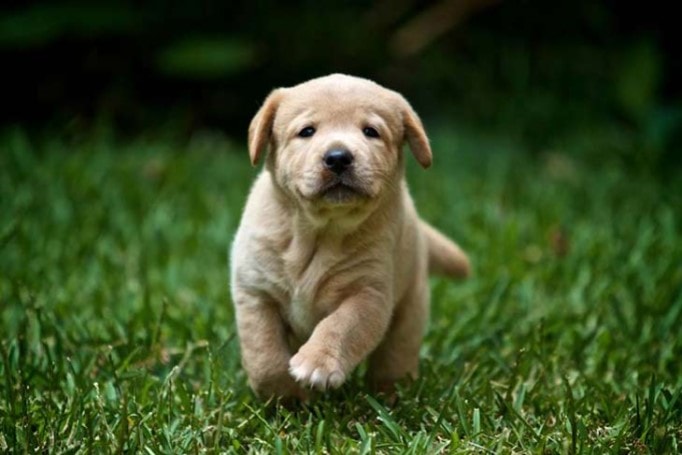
(322, 276)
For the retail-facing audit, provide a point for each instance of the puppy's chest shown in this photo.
(312, 287)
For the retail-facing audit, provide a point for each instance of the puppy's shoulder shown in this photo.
(262, 236)
(264, 208)
(265, 222)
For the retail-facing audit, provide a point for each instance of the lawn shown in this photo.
(118, 336)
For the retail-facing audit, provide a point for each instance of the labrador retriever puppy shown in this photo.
(330, 263)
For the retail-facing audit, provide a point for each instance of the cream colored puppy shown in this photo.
(329, 265)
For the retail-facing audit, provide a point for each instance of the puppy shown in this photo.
(330, 263)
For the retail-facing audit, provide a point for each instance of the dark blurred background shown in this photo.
(597, 78)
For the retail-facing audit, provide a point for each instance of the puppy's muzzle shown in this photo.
(337, 160)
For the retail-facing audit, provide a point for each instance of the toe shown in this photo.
(336, 379)
(319, 379)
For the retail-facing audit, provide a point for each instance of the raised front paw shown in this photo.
(316, 368)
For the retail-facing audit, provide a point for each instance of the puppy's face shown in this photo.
(336, 141)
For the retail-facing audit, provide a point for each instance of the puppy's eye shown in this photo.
(306, 132)
(370, 132)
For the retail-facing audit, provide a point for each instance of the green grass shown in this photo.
(118, 336)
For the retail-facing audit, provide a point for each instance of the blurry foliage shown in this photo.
(638, 79)
(205, 58)
(553, 75)
(44, 22)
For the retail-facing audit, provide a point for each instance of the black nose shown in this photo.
(337, 160)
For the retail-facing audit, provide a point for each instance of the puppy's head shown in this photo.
(337, 140)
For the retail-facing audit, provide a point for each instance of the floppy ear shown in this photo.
(260, 129)
(416, 136)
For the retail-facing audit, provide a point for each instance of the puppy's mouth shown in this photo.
(342, 191)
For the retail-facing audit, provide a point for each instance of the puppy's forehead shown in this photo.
(339, 97)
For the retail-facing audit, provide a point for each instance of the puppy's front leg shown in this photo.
(265, 353)
(342, 340)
